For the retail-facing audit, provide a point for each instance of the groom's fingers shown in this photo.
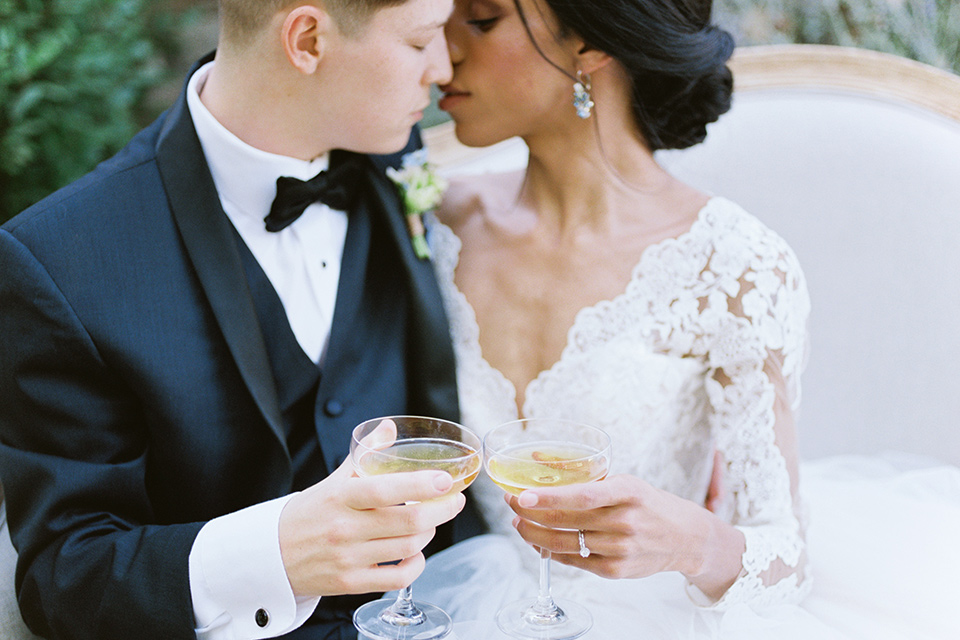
(373, 492)
(384, 577)
(403, 520)
(328, 547)
(390, 550)
(382, 437)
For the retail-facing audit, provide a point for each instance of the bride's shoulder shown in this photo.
(741, 243)
(470, 196)
(729, 221)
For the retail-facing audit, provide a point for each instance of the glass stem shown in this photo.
(545, 605)
(404, 607)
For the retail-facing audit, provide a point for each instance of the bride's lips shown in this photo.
(451, 97)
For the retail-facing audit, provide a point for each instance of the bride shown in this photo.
(594, 286)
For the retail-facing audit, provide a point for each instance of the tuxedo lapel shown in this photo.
(353, 269)
(211, 247)
(389, 348)
(432, 378)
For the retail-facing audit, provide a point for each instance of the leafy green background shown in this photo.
(75, 76)
(79, 77)
(924, 30)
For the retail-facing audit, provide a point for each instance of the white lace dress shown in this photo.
(675, 367)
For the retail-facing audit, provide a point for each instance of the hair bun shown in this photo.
(684, 123)
(678, 106)
(675, 58)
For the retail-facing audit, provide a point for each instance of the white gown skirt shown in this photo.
(883, 539)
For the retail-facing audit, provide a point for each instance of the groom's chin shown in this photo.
(384, 144)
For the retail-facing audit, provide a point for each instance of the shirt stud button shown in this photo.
(262, 618)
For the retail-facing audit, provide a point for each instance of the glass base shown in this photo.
(377, 620)
(527, 620)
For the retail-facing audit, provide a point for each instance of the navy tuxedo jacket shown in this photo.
(136, 397)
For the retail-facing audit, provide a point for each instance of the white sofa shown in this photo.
(11, 624)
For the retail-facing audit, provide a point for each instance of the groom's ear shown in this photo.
(590, 59)
(305, 35)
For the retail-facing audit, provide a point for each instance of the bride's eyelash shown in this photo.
(483, 24)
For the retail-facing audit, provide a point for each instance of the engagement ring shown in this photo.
(584, 551)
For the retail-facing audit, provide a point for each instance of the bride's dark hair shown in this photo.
(675, 57)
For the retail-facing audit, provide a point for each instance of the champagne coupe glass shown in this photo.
(421, 443)
(535, 453)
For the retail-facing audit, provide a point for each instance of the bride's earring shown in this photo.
(581, 95)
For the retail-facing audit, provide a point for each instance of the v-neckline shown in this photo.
(523, 410)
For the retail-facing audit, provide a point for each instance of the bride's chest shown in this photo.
(526, 313)
(654, 405)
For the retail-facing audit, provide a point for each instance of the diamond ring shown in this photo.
(584, 551)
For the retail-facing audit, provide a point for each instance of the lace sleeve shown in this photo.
(755, 340)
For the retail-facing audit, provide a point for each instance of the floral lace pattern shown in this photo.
(675, 367)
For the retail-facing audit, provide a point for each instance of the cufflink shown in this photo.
(262, 617)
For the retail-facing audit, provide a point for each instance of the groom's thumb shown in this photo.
(384, 435)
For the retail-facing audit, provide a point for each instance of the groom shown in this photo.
(184, 357)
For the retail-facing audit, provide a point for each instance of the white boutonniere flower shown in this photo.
(420, 190)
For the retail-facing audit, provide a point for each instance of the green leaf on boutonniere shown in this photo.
(421, 190)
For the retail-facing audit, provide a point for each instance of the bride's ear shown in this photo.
(305, 35)
(589, 60)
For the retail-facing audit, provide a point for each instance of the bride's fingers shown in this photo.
(595, 563)
(611, 555)
(560, 541)
(615, 490)
(565, 518)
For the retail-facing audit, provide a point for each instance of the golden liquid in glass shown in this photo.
(456, 458)
(546, 464)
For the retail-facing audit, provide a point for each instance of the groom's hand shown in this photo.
(335, 535)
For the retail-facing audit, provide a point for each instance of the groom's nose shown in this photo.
(440, 70)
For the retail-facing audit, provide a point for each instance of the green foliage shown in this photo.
(73, 78)
(924, 30)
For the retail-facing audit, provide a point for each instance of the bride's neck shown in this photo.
(589, 177)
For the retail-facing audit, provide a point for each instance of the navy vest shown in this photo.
(370, 269)
(365, 375)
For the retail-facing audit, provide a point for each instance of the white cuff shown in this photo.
(237, 579)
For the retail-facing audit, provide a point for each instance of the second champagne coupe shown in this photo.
(421, 443)
(537, 453)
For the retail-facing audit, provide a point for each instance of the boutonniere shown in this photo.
(420, 190)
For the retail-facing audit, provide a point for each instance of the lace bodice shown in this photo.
(702, 351)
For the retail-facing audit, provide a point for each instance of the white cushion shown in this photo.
(12, 626)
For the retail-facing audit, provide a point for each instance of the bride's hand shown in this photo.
(632, 530)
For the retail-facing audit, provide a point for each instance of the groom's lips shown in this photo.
(451, 97)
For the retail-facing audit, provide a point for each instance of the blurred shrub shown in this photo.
(924, 30)
(73, 78)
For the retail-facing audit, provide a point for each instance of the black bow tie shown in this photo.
(337, 187)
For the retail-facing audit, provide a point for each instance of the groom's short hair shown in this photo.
(240, 18)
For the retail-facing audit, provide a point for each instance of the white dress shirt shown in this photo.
(235, 564)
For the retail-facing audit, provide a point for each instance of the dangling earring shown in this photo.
(581, 95)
